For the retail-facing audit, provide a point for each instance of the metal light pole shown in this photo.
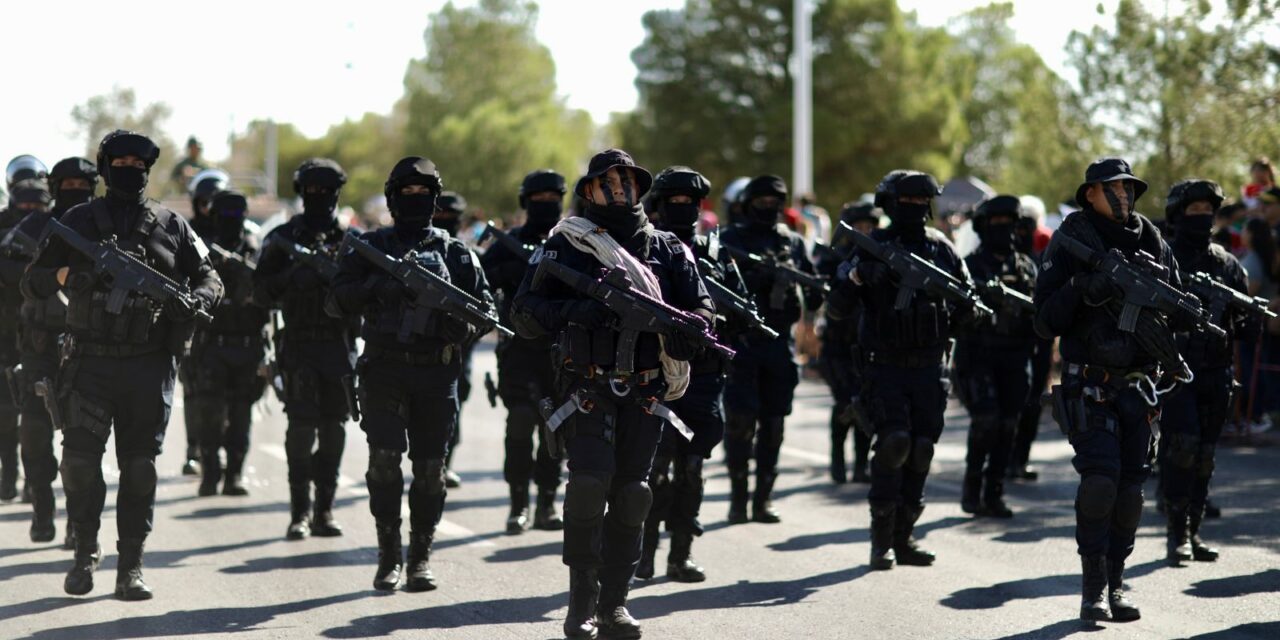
(802, 101)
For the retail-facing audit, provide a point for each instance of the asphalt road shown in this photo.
(222, 568)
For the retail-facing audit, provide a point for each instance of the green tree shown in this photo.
(102, 114)
(1190, 91)
(482, 104)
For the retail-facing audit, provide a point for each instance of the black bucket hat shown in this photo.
(1109, 170)
(602, 162)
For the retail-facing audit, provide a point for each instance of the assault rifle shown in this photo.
(126, 274)
(507, 240)
(1140, 285)
(324, 265)
(428, 292)
(1219, 297)
(18, 242)
(232, 260)
(730, 303)
(916, 274)
(1007, 298)
(782, 273)
(636, 311)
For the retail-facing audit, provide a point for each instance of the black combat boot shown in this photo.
(418, 576)
(1093, 606)
(43, 507)
(680, 564)
(518, 517)
(299, 512)
(1199, 550)
(738, 496)
(762, 502)
(1177, 543)
(389, 555)
(612, 617)
(210, 474)
(129, 584)
(322, 522)
(648, 548)
(905, 548)
(79, 579)
(1122, 610)
(993, 500)
(882, 521)
(584, 589)
(233, 477)
(970, 492)
(192, 466)
(545, 517)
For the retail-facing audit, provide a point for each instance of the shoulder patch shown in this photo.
(201, 248)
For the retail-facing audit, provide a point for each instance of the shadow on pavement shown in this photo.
(152, 558)
(743, 594)
(997, 595)
(1259, 630)
(1262, 582)
(261, 507)
(810, 541)
(523, 553)
(44, 605)
(319, 559)
(192, 622)
(453, 616)
(1056, 630)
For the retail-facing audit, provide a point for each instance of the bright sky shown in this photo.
(220, 65)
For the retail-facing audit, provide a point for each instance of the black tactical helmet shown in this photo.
(766, 185)
(206, 183)
(680, 180)
(24, 167)
(538, 181)
(120, 143)
(73, 167)
(1001, 205)
(902, 182)
(411, 170)
(30, 190)
(853, 212)
(1185, 192)
(321, 172)
(229, 203)
(451, 201)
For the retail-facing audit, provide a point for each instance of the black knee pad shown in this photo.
(1204, 468)
(428, 476)
(693, 464)
(893, 448)
(1129, 507)
(660, 475)
(1182, 450)
(632, 503)
(384, 466)
(740, 426)
(1096, 496)
(138, 475)
(584, 498)
(922, 455)
(80, 471)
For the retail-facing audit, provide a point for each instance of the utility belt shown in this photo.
(446, 355)
(620, 384)
(74, 347)
(313, 334)
(586, 401)
(205, 339)
(906, 359)
(1144, 380)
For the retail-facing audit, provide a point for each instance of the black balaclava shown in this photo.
(447, 221)
(906, 220)
(681, 218)
(415, 211)
(540, 217)
(227, 210)
(1024, 235)
(319, 208)
(126, 182)
(764, 218)
(998, 238)
(1193, 232)
(68, 198)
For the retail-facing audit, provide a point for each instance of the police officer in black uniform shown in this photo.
(71, 182)
(764, 375)
(1193, 415)
(314, 351)
(28, 195)
(677, 477)
(119, 368)
(1041, 365)
(409, 381)
(223, 378)
(525, 367)
(201, 190)
(612, 424)
(992, 373)
(450, 207)
(841, 360)
(905, 385)
(1103, 412)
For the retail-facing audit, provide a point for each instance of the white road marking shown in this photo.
(446, 528)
